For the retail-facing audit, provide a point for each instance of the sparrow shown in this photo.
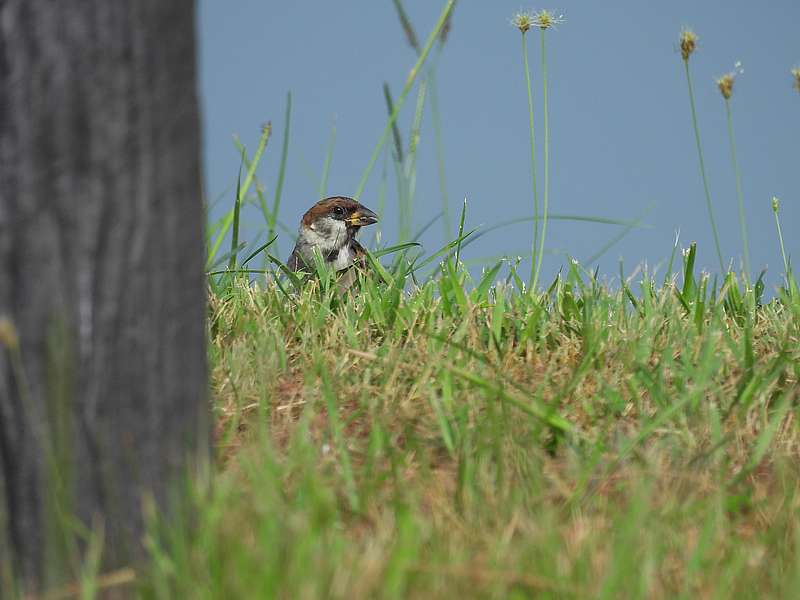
(329, 228)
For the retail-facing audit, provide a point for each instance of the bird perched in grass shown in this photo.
(329, 228)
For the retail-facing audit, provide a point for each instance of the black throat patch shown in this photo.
(332, 255)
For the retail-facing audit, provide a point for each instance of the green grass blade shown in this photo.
(461, 230)
(447, 248)
(765, 438)
(240, 194)
(739, 195)
(237, 205)
(614, 240)
(398, 140)
(532, 409)
(395, 248)
(401, 99)
(276, 203)
(408, 28)
(440, 163)
(326, 166)
(332, 406)
(258, 250)
(422, 230)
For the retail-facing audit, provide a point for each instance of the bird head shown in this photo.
(329, 228)
(333, 222)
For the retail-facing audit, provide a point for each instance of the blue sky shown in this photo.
(621, 135)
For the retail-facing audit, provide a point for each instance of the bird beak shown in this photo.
(362, 216)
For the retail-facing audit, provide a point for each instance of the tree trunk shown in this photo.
(103, 401)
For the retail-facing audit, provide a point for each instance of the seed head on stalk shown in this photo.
(523, 21)
(688, 42)
(546, 19)
(725, 82)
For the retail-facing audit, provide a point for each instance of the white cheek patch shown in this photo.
(326, 235)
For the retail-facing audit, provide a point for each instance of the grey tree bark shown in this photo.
(103, 397)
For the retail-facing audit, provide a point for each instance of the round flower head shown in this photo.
(545, 19)
(725, 83)
(688, 43)
(523, 21)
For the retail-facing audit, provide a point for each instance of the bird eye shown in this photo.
(338, 211)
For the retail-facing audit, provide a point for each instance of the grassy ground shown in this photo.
(468, 439)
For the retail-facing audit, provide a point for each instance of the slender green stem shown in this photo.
(401, 185)
(411, 35)
(398, 161)
(546, 164)
(381, 198)
(739, 195)
(627, 229)
(237, 203)
(780, 237)
(703, 168)
(398, 141)
(402, 98)
(533, 160)
(437, 132)
(241, 192)
(323, 183)
(276, 204)
(408, 28)
(410, 166)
